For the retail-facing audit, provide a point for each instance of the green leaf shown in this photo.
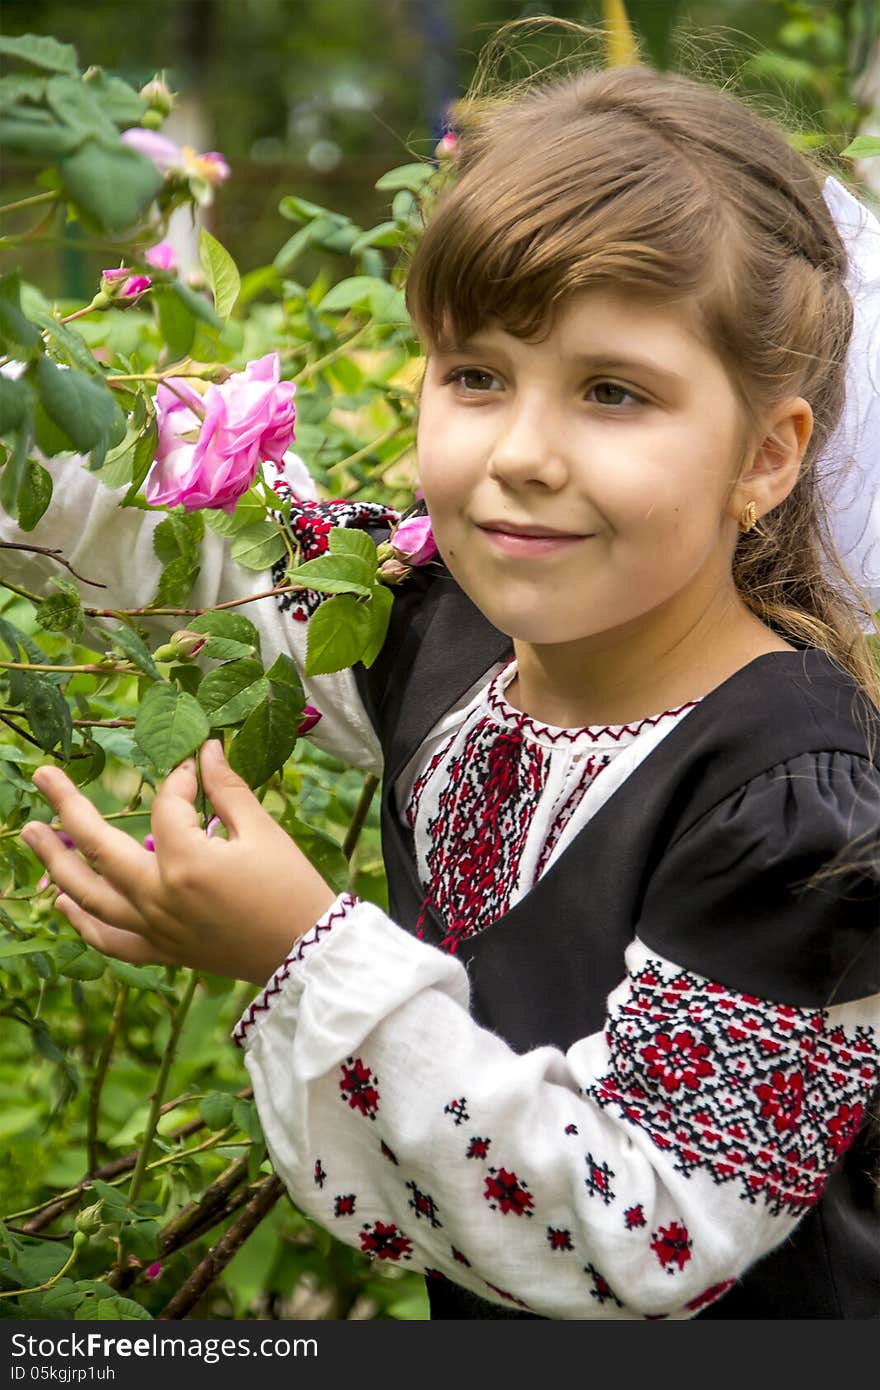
(412, 176)
(37, 137)
(119, 1309)
(132, 646)
(85, 769)
(40, 52)
(222, 272)
(16, 401)
(386, 234)
(35, 495)
(18, 334)
(144, 453)
(121, 102)
(379, 609)
(225, 649)
(266, 739)
(228, 694)
(300, 210)
(338, 574)
(78, 107)
(82, 407)
(178, 535)
(47, 944)
(113, 184)
(176, 582)
(48, 714)
(177, 323)
(257, 547)
(862, 147)
(348, 540)
(216, 1109)
(283, 672)
(77, 961)
(356, 291)
(147, 977)
(244, 1113)
(62, 612)
(170, 725)
(321, 850)
(224, 623)
(338, 633)
(19, 88)
(71, 343)
(249, 510)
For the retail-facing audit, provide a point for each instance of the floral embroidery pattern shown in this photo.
(359, 1087)
(310, 524)
(763, 1095)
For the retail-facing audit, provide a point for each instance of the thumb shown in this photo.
(229, 794)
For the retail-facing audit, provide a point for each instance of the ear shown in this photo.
(772, 466)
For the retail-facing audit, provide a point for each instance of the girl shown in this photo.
(612, 1051)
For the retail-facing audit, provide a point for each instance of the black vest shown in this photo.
(541, 974)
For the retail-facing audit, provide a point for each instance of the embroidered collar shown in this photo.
(548, 735)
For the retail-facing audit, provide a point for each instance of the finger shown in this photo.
(174, 818)
(113, 853)
(74, 876)
(110, 940)
(231, 798)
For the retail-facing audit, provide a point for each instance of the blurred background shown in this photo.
(320, 97)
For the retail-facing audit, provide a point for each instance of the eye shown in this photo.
(615, 390)
(474, 379)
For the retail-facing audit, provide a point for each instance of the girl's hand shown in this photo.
(232, 906)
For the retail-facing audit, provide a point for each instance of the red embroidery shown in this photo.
(672, 1246)
(359, 1087)
(710, 1295)
(601, 1289)
(773, 1119)
(634, 1217)
(423, 1205)
(344, 1205)
(478, 1148)
(559, 1240)
(506, 1193)
(385, 1242)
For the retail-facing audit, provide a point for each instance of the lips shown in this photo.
(528, 530)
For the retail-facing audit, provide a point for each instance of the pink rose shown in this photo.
(163, 256)
(201, 171)
(157, 148)
(247, 419)
(310, 718)
(413, 540)
(119, 283)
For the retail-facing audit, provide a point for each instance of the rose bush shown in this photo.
(137, 1143)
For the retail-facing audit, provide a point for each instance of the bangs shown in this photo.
(516, 237)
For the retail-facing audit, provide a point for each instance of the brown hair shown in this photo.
(670, 187)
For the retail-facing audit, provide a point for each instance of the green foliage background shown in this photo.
(132, 1147)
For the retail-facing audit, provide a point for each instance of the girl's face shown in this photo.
(582, 484)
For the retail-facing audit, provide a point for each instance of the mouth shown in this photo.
(527, 541)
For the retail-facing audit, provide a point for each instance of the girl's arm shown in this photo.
(634, 1176)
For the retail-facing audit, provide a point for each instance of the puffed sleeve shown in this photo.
(111, 550)
(641, 1173)
(758, 893)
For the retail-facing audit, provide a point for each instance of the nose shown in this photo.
(526, 448)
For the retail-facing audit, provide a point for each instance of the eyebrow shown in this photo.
(597, 360)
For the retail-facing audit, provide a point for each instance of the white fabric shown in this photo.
(850, 463)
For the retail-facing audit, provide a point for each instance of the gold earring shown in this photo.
(748, 517)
